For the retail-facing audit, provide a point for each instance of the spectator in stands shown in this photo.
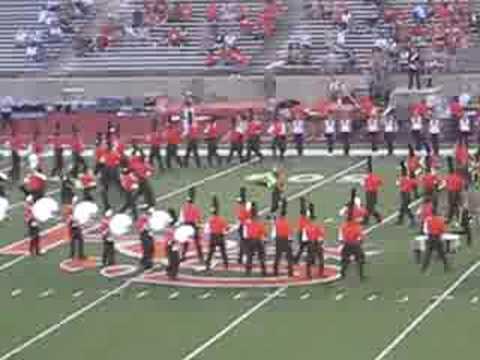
(314, 9)
(177, 36)
(345, 19)
(21, 37)
(420, 13)
(156, 12)
(180, 12)
(82, 44)
(83, 7)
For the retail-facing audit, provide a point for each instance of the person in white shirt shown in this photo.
(434, 131)
(298, 129)
(416, 129)
(390, 128)
(345, 131)
(465, 127)
(6, 110)
(373, 128)
(278, 131)
(329, 131)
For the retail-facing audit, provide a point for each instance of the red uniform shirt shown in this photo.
(16, 143)
(282, 228)
(77, 145)
(302, 222)
(193, 132)
(236, 136)
(413, 164)
(211, 131)
(254, 128)
(38, 148)
(429, 181)
(87, 180)
(352, 232)
(129, 181)
(172, 135)
(142, 169)
(436, 225)
(425, 211)
(372, 183)
(255, 230)
(112, 158)
(454, 182)
(191, 213)
(241, 213)
(100, 153)
(36, 181)
(315, 232)
(218, 225)
(105, 226)
(407, 184)
(154, 139)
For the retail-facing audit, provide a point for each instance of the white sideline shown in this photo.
(51, 329)
(428, 310)
(11, 263)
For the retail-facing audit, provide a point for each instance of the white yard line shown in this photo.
(11, 263)
(73, 316)
(425, 313)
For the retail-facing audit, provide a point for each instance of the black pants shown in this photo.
(148, 249)
(241, 244)
(405, 200)
(279, 146)
(108, 255)
(454, 201)
(417, 139)
(77, 243)
(276, 198)
(57, 162)
(435, 143)
(282, 246)
(192, 148)
(371, 202)
(373, 135)
(299, 142)
(87, 194)
(390, 140)
(315, 255)
(78, 162)
(346, 143)
(145, 189)
(217, 240)
(330, 142)
(172, 154)
(212, 152)
(155, 156)
(465, 137)
(235, 147)
(434, 243)
(255, 247)
(16, 167)
(109, 178)
(173, 262)
(34, 234)
(414, 75)
(196, 241)
(356, 251)
(253, 147)
(130, 204)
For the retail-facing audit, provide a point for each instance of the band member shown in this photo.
(298, 130)
(255, 232)
(282, 232)
(110, 175)
(413, 166)
(407, 186)
(192, 133)
(217, 228)
(3, 181)
(129, 182)
(77, 147)
(146, 239)
(315, 234)
(242, 214)
(37, 149)
(143, 172)
(351, 235)
(454, 183)
(416, 129)
(100, 153)
(173, 138)
(373, 127)
(57, 143)
(434, 131)
(278, 189)
(424, 212)
(67, 195)
(390, 128)
(302, 223)
(345, 131)
(33, 227)
(278, 130)
(253, 133)
(465, 225)
(191, 214)
(87, 183)
(35, 184)
(76, 240)
(429, 180)
(372, 184)
(154, 139)
(462, 159)
(436, 227)
(212, 138)
(464, 127)
(237, 135)
(354, 204)
(108, 254)
(413, 67)
(329, 131)
(16, 145)
(173, 247)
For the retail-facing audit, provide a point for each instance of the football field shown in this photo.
(397, 313)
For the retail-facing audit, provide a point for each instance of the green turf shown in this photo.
(124, 326)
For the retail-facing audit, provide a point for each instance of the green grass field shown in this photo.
(398, 313)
